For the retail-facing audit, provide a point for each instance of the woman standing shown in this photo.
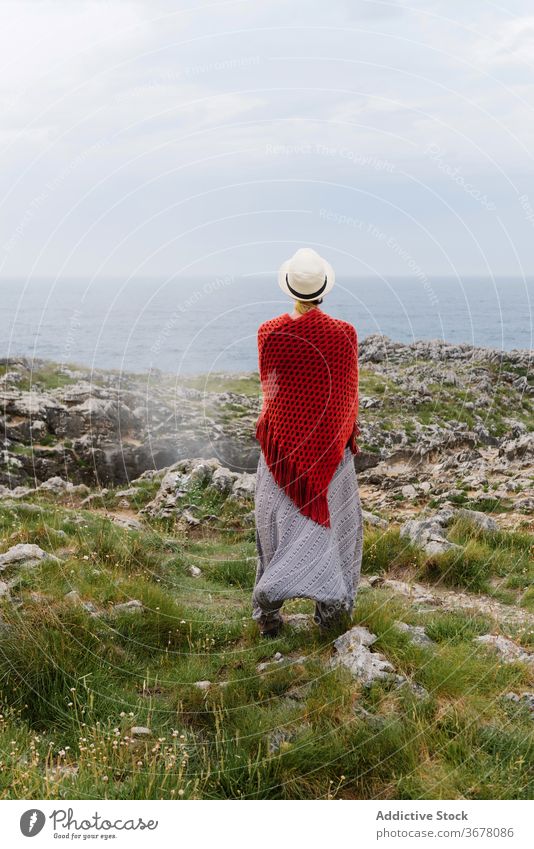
(308, 514)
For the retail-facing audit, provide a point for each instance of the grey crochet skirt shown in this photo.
(297, 557)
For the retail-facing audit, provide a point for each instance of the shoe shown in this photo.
(330, 618)
(270, 626)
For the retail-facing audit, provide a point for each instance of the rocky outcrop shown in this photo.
(428, 534)
(108, 428)
(353, 651)
(506, 650)
(182, 477)
(24, 554)
(105, 428)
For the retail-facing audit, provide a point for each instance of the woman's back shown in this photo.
(309, 373)
(309, 529)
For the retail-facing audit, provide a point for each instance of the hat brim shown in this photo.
(284, 269)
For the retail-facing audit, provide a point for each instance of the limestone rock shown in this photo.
(353, 652)
(132, 606)
(477, 517)
(277, 659)
(416, 633)
(244, 486)
(428, 534)
(223, 480)
(508, 651)
(417, 592)
(189, 518)
(126, 522)
(281, 737)
(24, 554)
(372, 519)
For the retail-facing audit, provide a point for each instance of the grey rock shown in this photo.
(277, 659)
(189, 518)
(477, 517)
(24, 554)
(282, 736)
(126, 522)
(244, 486)
(132, 606)
(127, 493)
(527, 698)
(428, 534)
(73, 596)
(416, 592)
(202, 471)
(353, 652)
(519, 449)
(372, 519)
(195, 572)
(55, 485)
(416, 633)
(223, 480)
(417, 689)
(512, 697)
(508, 651)
(15, 493)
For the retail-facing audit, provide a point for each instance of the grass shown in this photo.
(483, 555)
(247, 384)
(73, 684)
(384, 550)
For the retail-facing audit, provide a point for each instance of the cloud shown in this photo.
(117, 115)
(513, 44)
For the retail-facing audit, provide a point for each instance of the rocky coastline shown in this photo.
(127, 560)
(438, 421)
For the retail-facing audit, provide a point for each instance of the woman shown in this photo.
(308, 511)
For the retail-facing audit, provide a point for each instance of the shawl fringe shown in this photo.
(353, 444)
(286, 475)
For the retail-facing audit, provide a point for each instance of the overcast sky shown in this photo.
(155, 138)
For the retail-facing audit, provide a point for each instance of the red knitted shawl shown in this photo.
(309, 374)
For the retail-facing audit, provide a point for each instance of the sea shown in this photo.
(202, 325)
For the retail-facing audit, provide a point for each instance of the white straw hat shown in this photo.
(306, 276)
